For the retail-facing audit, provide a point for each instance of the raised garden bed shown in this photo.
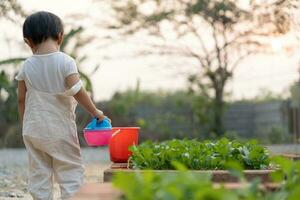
(188, 185)
(218, 176)
(200, 170)
(293, 157)
(199, 157)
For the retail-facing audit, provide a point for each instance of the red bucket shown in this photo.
(121, 139)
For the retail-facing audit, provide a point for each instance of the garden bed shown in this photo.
(200, 155)
(293, 157)
(217, 158)
(218, 176)
(204, 184)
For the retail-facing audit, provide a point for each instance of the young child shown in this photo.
(48, 85)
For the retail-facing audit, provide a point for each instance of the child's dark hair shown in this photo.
(42, 25)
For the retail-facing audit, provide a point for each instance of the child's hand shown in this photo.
(100, 116)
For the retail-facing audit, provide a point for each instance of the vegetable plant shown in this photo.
(148, 185)
(180, 186)
(197, 155)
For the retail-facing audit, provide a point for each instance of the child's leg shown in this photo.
(40, 182)
(68, 168)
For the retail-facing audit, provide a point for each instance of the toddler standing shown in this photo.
(48, 91)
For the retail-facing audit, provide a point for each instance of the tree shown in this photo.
(220, 35)
(9, 8)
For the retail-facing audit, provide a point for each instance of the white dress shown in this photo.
(49, 129)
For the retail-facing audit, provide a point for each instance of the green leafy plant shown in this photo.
(288, 176)
(180, 186)
(199, 155)
(183, 185)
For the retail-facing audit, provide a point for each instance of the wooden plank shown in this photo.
(218, 176)
(294, 157)
(119, 166)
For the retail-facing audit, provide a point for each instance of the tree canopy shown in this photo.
(218, 34)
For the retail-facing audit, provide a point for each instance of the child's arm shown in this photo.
(21, 99)
(83, 98)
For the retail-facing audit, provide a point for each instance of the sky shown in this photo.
(121, 71)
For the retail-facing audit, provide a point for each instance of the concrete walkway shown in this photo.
(97, 191)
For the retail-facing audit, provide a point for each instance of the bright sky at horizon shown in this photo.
(274, 72)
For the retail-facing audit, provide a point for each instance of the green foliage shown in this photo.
(13, 137)
(128, 13)
(295, 94)
(222, 12)
(202, 108)
(122, 104)
(232, 34)
(220, 17)
(199, 155)
(183, 184)
(8, 103)
(161, 115)
(68, 37)
(288, 175)
(10, 135)
(265, 95)
(278, 136)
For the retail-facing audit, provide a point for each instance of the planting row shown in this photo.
(196, 155)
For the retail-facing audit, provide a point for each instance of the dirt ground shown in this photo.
(13, 171)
